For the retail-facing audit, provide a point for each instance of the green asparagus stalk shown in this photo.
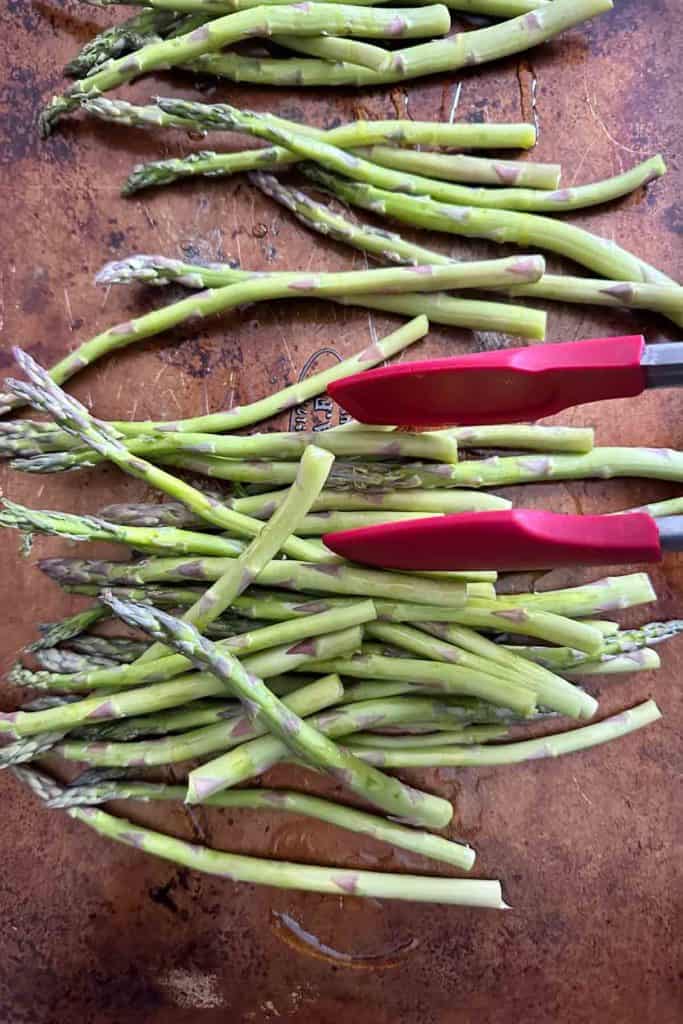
(301, 738)
(74, 417)
(313, 471)
(54, 633)
(461, 168)
(440, 56)
(170, 694)
(130, 35)
(339, 161)
(421, 741)
(313, 19)
(299, 632)
(118, 648)
(661, 298)
(423, 843)
(466, 648)
(336, 50)
(637, 661)
(670, 507)
(336, 578)
(503, 226)
(583, 738)
(279, 874)
(203, 741)
(28, 749)
(194, 715)
(624, 641)
(611, 594)
(59, 660)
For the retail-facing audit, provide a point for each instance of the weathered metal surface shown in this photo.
(588, 847)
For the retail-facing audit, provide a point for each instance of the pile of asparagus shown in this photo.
(286, 652)
(333, 37)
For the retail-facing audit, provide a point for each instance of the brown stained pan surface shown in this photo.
(588, 847)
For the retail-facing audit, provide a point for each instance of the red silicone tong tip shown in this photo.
(506, 386)
(512, 540)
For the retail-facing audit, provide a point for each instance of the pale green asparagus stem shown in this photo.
(526, 750)
(503, 226)
(329, 48)
(299, 631)
(336, 578)
(74, 417)
(461, 168)
(465, 647)
(203, 741)
(257, 756)
(170, 694)
(420, 741)
(309, 20)
(425, 502)
(126, 37)
(629, 641)
(353, 166)
(611, 594)
(423, 843)
(313, 471)
(302, 739)
(637, 661)
(463, 50)
(670, 507)
(55, 633)
(661, 298)
(279, 874)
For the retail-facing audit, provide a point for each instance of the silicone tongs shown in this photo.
(512, 540)
(511, 385)
(506, 387)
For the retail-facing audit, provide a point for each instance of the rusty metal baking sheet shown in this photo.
(588, 847)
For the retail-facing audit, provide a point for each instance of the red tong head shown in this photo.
(513, 540)
(505, 386)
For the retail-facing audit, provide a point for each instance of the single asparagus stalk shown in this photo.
(299, 632)
(28, 749)
(54, 633)
(159, 270)
(661, 298)
(466, 648)
(139, 30)
(611, 594)
(262, 506)
(294, 394)
(74, 417)
(439, 56)
(300, 737)
(257, 756)
(624, 641)
(503, 226)
(200, 712)
(448, 679)
(329, 48)
(670, 507)
(423, 843)
(313, 471)
(203, 741)
(460, 168)
(583, 738)
(337, 578)
(279, 874)
(312, 20)
(171, 694)
(422, 741)
(354, 166)
(637, 661)
(59, 660)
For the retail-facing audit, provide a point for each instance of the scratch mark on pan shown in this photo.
(603, 127)
(69, 313)
(455, 103)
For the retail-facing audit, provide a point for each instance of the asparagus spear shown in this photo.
(352, 51)
(637, 661)
(422, 741)
(118, 648)
(313, 470)
(44, 394)
(169, 694)
(461, 168)
(502, 226)
(297, 632)
(583, 738)
(282, 874)
(54, 633)
(626, 640)
(464, 50)
(670, 507)
(423, 843)
(466, 648)
(148, 26)
(611, 594)
(59, 660)
(336, 578)
(388, 246)
(302, 739)
(354, 166)
(313, 19)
